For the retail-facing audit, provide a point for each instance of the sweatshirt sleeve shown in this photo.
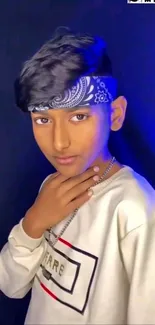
(19, 261)
(138, 254)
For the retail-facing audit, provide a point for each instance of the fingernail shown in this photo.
(96, 169)
(96, 178)
(90, 192)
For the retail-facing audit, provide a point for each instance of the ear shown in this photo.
(118, 111)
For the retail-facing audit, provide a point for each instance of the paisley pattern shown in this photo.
(87, 91)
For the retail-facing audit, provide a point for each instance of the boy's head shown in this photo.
(68, 88)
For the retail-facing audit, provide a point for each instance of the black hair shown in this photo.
(56, 66)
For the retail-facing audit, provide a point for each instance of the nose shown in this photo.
(61, 139)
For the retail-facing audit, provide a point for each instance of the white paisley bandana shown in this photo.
(87, 91)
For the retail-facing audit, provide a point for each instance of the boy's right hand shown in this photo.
(58, 198)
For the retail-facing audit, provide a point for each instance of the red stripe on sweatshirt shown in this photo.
(48, 291)
(65, 242)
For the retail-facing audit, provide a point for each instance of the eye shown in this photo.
(42, 120)
(79, 117)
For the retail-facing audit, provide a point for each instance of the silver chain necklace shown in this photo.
(53, 243)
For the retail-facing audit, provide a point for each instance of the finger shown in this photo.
(79, 189)
(52, 176)
(86, 175)
(48, 179)
(72, 182)
(78, 202)
(57, 179)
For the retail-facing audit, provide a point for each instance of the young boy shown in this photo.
(86, 247)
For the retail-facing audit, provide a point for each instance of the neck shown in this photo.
(103, 162)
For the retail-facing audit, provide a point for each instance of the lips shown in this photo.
(66, 160)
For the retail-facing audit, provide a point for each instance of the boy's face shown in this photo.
(73, 140)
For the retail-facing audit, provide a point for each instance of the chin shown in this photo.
(69, 171)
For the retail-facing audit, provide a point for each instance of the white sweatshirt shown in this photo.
(102, 271)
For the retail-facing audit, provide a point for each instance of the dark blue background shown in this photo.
(24, 26)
